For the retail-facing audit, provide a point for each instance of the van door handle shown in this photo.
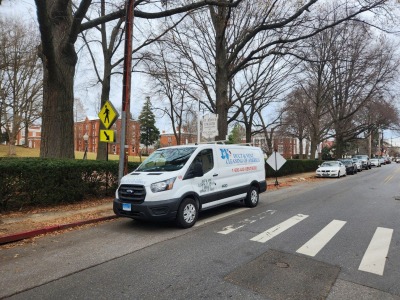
(215, 175)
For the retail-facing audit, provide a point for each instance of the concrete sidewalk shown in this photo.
(16, 226)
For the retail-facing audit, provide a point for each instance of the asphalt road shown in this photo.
(332, 239)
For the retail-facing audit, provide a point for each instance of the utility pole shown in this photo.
(126, 89)
(379, 142)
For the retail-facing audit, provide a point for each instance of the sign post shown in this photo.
(108, 115)
(276, 161)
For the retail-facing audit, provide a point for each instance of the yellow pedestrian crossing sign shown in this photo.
(108, 114)
(107, 136)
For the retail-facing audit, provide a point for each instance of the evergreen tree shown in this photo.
(236, 135)
(149, 133)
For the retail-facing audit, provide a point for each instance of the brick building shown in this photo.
(168, 139)
(286, 146)
(91, 126)
(33, 139)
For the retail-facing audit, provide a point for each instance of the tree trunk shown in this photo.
(26, 129)
(314, 144)
(59, 60)
(221, 74)
(248, 133)
(58, 116)
(221, 97)
(301, 155)
(339, 146)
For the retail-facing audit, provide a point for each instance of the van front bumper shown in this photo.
(157, 210)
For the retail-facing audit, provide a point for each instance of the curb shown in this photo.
(29, 234)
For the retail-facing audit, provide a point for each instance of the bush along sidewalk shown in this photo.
(37, 182)
(42, 182)
(293, 166)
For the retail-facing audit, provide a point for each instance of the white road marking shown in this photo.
(375, 257)
(274, 231)
(220, 216)
(314, 245)
(230, 228)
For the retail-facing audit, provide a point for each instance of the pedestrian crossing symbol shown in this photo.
(107, 136)
(108, 114)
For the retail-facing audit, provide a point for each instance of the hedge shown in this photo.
(293, 166)
(43, 182)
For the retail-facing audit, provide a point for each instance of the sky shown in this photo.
(90, 95)
(25, 10)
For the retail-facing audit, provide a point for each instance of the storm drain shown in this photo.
(278, 275)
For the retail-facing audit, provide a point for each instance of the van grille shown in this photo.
(132, 193)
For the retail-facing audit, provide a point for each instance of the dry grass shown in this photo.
(28, 152)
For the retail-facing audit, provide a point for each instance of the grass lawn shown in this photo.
(28, 152)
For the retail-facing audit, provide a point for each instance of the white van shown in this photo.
(178, 182)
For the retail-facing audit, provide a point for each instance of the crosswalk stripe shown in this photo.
(374, 258)
(314, 245)
(274, 231)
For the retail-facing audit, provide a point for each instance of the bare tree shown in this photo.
(21, 80)
(219, 46)
(60, 26)
(259, 86)
(174, 89)
(360, 72)
(295, 118)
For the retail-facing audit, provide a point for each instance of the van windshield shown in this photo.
(166, 160)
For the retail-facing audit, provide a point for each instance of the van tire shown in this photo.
(252, 197)
(187, 214)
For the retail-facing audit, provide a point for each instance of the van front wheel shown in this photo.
(252, 197)
(187, 213)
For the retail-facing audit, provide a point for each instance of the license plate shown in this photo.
(126, 206)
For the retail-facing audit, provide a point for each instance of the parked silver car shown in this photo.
(358, 163)
(365, 161)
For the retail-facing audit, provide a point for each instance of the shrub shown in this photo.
(293, 166)
(43, 182)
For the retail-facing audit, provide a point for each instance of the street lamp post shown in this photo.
(86, 139)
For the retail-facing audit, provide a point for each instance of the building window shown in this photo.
(280, 149)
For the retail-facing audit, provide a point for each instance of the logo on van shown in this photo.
(225, 153)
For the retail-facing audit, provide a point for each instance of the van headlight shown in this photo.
(162, 185)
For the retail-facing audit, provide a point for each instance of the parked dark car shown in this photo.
(351, 167)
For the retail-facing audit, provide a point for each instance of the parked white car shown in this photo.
(331, 169)
(375, 162)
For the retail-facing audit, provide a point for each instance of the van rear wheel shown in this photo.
(187, 213)
(252, 197)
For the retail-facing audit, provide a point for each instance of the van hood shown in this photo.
(146, 178)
